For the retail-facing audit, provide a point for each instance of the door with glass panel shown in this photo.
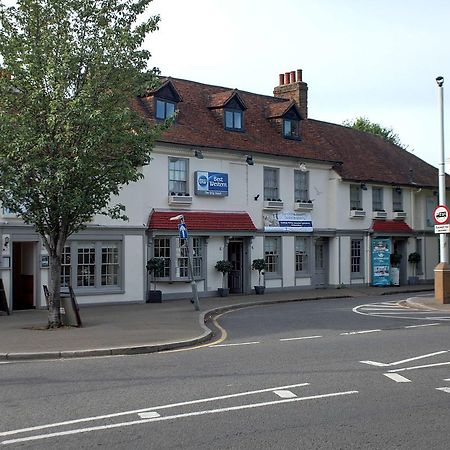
(321, 263)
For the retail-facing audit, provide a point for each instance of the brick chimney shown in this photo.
(292, 87)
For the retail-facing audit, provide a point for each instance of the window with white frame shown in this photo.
(377, 199)
(178, 176)
(66, 278)
(397, 199)
(175, 253)
(301, 186)
(272, 247)
(301, 254)
(291, 128)
(86, 265)
(356, 257)
(110, 264)
(355, 197)
(271, 183)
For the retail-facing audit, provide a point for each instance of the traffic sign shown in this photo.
(182, 231)
(440, 229)
(441, 215)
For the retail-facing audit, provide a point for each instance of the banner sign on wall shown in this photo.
(288, 221)
(211, 183)
(381, 264)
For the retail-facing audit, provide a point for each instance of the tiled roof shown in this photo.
(391, 226)
(202, 220)
(222, 98)
(359, 156)
(278, 109)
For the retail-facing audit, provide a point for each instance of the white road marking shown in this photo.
(299, 338)
(396, 363)
(285, 394)
(420, 367)
(136, 411)
(444, 389)
(396, 377)
(149, 415)
(235, 345)
(350, 333)
(177, 416)
(423, 325)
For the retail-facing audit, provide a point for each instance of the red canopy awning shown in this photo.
(391, 227)
(202, 220)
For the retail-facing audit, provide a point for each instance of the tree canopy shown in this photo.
(364, 124)
(69, 136)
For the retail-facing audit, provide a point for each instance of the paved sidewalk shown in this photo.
(145, 328)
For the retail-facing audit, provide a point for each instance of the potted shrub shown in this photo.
(155, 268)
(414, 258)
(395, 259)
(259, 265)
(225, 267)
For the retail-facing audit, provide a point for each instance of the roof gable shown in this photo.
(167, 91)
(286, 109)
(230, 99)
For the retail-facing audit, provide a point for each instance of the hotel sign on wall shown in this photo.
(288, 221)
(211, 183)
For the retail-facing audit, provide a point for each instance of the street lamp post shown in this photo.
(442, 270)
(443, 249)
(184, 239)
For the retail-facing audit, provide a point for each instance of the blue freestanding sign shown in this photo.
(381, 264)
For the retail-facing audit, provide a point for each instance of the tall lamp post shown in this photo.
(443, 250)
(184, 241)
(442, 270)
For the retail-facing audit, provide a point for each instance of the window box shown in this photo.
(180, 199)
(357, 214)
(399, 215)
(379, 214)
(303, 206)
(276, 205)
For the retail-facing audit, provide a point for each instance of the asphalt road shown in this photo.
(322, 374)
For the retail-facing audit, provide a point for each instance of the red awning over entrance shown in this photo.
(202, 220)
(391, 227)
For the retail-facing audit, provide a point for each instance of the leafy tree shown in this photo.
(364, 124)
(69, 136)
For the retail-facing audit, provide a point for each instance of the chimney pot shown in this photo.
(287, 78)
(293, 76)
(281, 79)
(299, 74)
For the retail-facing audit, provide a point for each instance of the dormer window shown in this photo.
(291, 128)
(165, 109)
(233, 119)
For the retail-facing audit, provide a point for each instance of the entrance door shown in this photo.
(321, 265)
(23, 270)
(235, 279)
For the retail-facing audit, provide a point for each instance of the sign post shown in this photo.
(184, 240)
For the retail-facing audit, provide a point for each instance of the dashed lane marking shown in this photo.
(444, 389)
(350, 333)
(285, 394)
(397, 378)
(300, 338)
(235, 344)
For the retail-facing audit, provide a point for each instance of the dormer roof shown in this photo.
(167, 91)
(222, 99)
(282, 109)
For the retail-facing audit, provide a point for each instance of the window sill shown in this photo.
(79, 291)
(274, 205)
(357, 214)
(379, 214)
(180, 200)
(303, 206)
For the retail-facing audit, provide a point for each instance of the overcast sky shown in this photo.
(373, 58)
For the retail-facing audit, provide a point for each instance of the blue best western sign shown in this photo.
(211, 183)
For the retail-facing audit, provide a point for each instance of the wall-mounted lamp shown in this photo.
(249, 160)
(364, 186)
(302, 167)
(398, 190)
(198, 154)
(256, 197)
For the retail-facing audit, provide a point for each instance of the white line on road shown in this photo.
(136, 411)
(396, 377)
(420, 367)
(350, 333)
(285, 394)
(423, 325)
(235, 345)
(149, 415)
(396, 363)
(177, 416)
(444, 389)
(299, 338)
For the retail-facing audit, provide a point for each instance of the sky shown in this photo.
(373, 58)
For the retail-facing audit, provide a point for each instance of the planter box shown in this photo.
(357, 214)
(303, 206)
(399, 215)
(379, 214)
(180, 200)
(154, 297)
(273, 204)
(259, 290)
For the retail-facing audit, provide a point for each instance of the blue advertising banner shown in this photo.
(211, 183)
(381, 264)
(288, 221)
